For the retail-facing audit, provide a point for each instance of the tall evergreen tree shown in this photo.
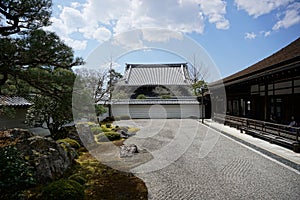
(36, 59)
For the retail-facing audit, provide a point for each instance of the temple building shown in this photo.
(268, 90)
(155, 91)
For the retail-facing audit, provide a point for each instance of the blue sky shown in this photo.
(235, 33)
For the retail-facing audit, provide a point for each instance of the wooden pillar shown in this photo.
(266, 107)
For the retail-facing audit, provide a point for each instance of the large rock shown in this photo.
(128, 150)
(49, 158)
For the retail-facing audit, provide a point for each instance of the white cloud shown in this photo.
(63, 31)
(75, 44)
(102, 34)
(168, 14)
(289, 9)
(160, 35)
(99, 19)
(257, 8)
(291, 17)
(215, 11)
(250, 36)
(72, 18)
(60, 7)
(75, 5)
(267, 33)
(129, 40)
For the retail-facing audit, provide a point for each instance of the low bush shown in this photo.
(108, 125)
(96, 130)
(105, 129)
(108, 136)
(141, 96)
(63, 189)
(73, 143)
(165, 96)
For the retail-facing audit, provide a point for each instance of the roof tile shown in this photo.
(156, 74)
(289, 52)
(13, 101)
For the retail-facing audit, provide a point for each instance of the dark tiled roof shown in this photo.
(13, 101)
(286, 55)
(156, 74)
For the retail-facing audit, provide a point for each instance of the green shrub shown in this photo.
(108, 125)
(108, 136)
(73, 143)
(96, 130)
(63, 189)
(100, 109)
(165, 96)
(105, 129)
(79, 179)
(141, 96)
(15, 172)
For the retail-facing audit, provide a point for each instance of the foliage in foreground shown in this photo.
(15, 172)
(63, 189)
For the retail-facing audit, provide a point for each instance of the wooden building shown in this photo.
(18, 107)
(155, 91)
(268, 90)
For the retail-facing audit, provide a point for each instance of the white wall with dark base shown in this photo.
(157, 111)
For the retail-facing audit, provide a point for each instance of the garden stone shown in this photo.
(123, 133)
(49, 158)
(128, 150)
(124, 128)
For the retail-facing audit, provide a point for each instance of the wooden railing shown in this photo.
(275, 133)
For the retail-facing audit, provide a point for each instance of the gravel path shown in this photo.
(191, 161)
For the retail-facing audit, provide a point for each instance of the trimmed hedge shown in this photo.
(105, 129)
(108, 136)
